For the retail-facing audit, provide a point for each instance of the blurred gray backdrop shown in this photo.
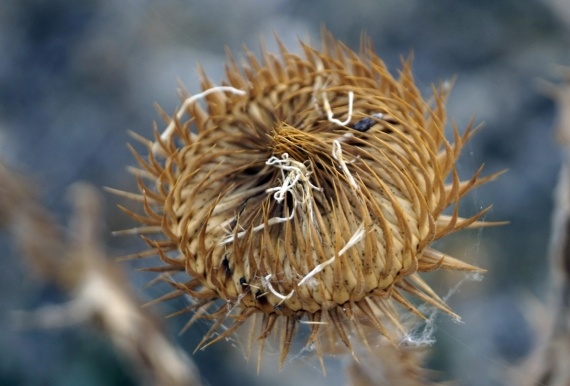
(75, 76)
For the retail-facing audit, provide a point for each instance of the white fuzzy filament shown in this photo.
(337, 154)
(295, 180)
(330, 115)
(167, 133)
(356, 237)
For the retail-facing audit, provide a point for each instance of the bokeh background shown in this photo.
(76, 76)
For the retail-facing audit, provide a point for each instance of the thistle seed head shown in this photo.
(306, 188)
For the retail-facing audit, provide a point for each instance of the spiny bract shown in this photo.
(308, 189)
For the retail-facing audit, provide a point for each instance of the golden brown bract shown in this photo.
(308, 189)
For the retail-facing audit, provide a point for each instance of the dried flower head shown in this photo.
(305, 189)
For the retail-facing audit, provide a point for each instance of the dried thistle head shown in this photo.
(307, 189)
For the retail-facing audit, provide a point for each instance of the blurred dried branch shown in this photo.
(390, 365)
(548, 364)
(99, 292)
(33, 230)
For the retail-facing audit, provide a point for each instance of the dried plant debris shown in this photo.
(548, 364)
(304, 189)
(33, 230)
(389, 365)
(98, 290)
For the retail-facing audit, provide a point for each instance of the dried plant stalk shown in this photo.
(548, 364)
(389, 365)
(98, 289)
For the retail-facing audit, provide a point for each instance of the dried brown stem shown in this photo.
(548, 364)
(97, 288)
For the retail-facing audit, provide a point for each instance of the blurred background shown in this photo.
(76, 76)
